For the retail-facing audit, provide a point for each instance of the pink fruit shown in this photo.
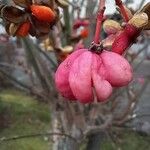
(84, 73)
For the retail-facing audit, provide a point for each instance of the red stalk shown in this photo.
(100, 15)
(122, 9)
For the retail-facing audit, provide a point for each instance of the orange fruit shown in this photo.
(43, 13)
(23, 29)
(84, 33)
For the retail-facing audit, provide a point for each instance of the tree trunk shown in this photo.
(94, 141)
(61, 142)
(65, 143)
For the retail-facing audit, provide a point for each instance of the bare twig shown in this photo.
(95, 129)
(28, 88)
(18, 137)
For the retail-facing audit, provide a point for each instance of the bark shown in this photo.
(94, 141)
(65, 143)
(62, 142)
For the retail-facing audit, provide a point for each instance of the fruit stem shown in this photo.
(122, 10)
(100, 15)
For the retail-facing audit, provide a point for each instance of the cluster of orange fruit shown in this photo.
(34, 19)
(42, 13)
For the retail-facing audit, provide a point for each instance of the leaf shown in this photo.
(13, 14)
(1, 6)
(146, 9)
(23, 3)
(13, 28)
(111, 27)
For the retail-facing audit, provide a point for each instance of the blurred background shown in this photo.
(28, 99)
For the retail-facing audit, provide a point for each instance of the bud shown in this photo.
(67, 49)
(111, 26)
(139, 20)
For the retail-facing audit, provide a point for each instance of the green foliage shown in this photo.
(27, 116)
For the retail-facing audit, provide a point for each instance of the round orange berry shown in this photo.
(43, 13)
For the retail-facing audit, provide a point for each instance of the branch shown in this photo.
(122, 10)
(141, 4)
(99, 21)
(139, 52)
(30, 89)
(10, 66)
(47, 56)
(67, 25)
(18, 137)
(72, 4)
(95, 129)
(129, 110)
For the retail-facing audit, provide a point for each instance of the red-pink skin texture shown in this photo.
(88, 72)
(125, 39)
(62, 75)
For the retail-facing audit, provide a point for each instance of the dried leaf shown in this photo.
(2, 6)
(43, 2)
(23, 3)
(13, 29)
(13, 14)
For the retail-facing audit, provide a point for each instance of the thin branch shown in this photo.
(137, 117)
(95, 129)
(28, 88)
(129, 110)
(122, 10)
(18, 137)
(141, 50)
(141, 4)
(11, 66)
(47, 56)
(99, 21)
(72, 4)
